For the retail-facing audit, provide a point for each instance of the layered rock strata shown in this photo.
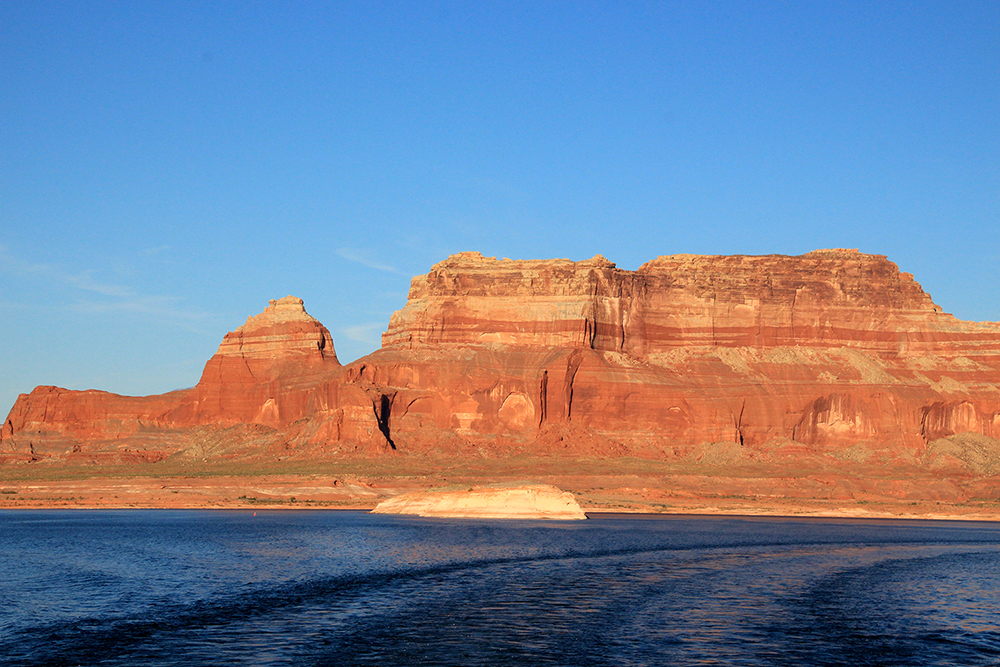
(263, 371)
(834, 352)
(831, 348)
(266, 372)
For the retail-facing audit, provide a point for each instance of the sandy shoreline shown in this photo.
(291, 492)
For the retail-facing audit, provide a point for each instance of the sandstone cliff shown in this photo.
(263, 371)
(832, 348)
(834, 353)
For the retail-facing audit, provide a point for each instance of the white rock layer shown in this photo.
(536, 501)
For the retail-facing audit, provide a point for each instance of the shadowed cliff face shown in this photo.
(833, 353)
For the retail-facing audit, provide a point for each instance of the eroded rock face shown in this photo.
(824, 299)
(831, 350)
(471, 300)
(54, 420)
(263, 371)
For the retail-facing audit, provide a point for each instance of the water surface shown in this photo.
(184, 587)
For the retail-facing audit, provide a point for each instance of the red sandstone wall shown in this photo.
(831, 349)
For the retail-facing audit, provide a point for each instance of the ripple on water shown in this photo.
(325, 588)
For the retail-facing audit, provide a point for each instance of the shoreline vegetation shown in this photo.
(616, 486)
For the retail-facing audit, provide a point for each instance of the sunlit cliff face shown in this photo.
(831, 350)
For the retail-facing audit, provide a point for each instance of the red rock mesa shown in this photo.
(819, 353)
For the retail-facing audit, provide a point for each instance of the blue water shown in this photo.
(166, 587)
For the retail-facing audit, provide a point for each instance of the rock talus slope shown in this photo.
(834, 352)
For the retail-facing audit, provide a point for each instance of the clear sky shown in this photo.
(166, 168)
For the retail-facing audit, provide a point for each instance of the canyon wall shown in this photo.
(827, 352)
(831, 348)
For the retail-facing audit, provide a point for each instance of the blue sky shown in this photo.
(167, 168)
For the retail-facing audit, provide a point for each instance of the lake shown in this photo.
(189, 587)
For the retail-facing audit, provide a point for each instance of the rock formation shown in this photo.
(532, 501)
(264, 371)
(834, 352)
(829, 349)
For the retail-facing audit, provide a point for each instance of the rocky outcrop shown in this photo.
(831, 348)
(470, 300)
(826, 299)
(835, 351)
(532, 501)
(54, 420)
(263, 371)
